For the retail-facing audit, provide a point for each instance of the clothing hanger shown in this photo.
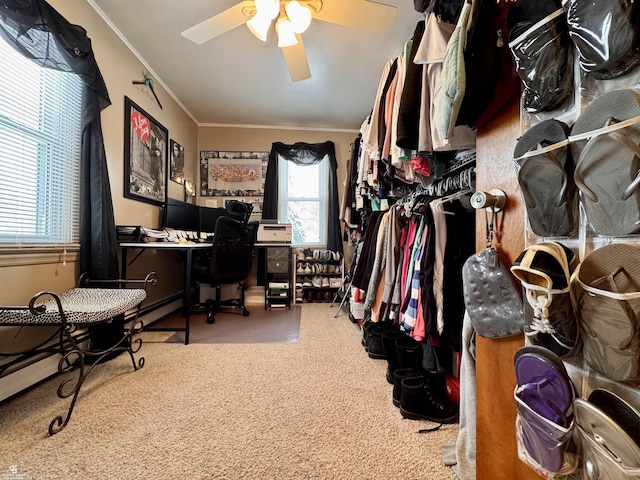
(462, 177)
(466, 177)
(439, 207)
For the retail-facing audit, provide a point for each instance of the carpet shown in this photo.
(276, 325)
(316, 409)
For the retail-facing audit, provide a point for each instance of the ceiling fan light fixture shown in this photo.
(259, 25)
(299, 15)
(286, 34)
(267, 8)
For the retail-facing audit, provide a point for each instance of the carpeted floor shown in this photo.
(318, 408)
(275, 325)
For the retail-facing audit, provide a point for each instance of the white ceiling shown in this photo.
(235, 79)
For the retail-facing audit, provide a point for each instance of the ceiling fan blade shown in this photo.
(296, 59)
(360, 14)
(218, 24)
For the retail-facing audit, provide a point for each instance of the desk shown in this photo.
(187, 249)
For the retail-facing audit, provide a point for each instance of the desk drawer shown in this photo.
(278, 266)
(278, 253)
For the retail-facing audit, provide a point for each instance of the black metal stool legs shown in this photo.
(75, 359)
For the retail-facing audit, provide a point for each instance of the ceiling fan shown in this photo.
(292, 17)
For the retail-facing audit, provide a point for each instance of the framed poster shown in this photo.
(176, 152)
(145, 156)
(232, 174)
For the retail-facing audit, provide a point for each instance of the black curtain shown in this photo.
(40, 33)
(305, 154)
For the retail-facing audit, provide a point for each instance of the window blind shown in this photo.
(40, 144)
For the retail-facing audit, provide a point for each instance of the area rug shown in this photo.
(275, 325)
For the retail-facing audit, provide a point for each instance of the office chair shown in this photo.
(231, 257)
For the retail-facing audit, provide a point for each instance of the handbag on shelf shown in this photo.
(491, 298)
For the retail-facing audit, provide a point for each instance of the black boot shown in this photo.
(409, 353)
(420, 400)
(367, 325)
(389, 347)
(374, 339)
(398, 375)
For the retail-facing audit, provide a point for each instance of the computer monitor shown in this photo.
(208, 218)
(181, 215)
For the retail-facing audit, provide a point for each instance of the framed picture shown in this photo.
(232, 174)
(145, 155)
(176, 157)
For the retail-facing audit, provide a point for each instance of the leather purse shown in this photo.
(491, 297)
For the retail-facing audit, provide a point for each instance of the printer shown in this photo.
(270, 231)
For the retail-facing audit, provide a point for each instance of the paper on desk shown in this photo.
(151, 233)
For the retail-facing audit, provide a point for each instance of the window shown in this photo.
(40, 143)
(302, 201)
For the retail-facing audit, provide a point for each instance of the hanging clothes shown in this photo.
(409, 113)
(460, 245)
(367, 254)
(348, 209)
(431, 53)
(415, 249)
(411, 269)
(371, 138)
(399, 155)
(377, 270)
(394, 233)
(383, 103)
(401, 282)
(426, 270)
(440, 223)
(388, 118)
(396, 295)
(413, 314)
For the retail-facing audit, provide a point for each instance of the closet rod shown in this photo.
(465, 179)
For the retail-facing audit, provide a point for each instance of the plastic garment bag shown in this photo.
(606, 35)
(543, 55)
